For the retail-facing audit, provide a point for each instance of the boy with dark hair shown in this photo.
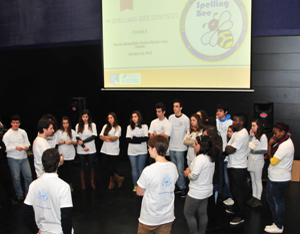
(180, 125)
(237, 150)
(40, 144)
(48, 205)
(17, 144)
(156, 185)
(222, 123)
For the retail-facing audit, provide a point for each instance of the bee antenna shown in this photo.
(204, 25)
(214, 15)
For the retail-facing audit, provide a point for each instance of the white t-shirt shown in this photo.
(87, 132)
(12, 139)
(111, 148)
(202, 187)
(239, 141)
(161, 126)
(40, 144)
(282, 171)
(67, 150)
(47, 195)
(159, 180)
(261, 144)
(222, 128)
(192, 136)
(180, 126)
(137, 149)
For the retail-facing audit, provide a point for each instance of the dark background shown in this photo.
(51, 51)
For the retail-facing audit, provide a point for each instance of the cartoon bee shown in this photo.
(219, 31)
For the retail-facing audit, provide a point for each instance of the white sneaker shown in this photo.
(273, 229)
(228, 202)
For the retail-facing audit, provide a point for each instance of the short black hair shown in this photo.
(43, 123)
(242, 117)
(179, 101)
(15, 118)
(160, 143)
(50, 160)
(161, 106)
(222, 106)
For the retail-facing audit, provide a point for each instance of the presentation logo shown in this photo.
(213, 30)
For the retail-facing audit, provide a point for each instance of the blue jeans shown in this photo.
(137, 165)
(87, 157)
(16, 167)
(275, 198)
(224, 179)
(177, 157)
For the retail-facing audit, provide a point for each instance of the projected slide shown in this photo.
(176, 43)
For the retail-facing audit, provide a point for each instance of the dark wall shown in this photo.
(39, 81)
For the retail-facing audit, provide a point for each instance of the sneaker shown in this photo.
(236, 221)
(229, 211)
(250, 201)
(228, 202)
(273, 229)
(256, 203)
(183, 193)
(134, 188)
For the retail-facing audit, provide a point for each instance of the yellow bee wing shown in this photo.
(225, 23)
(210, 37)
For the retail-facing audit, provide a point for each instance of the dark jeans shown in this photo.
(66, 171)
(224, 181)
(275, 198)
(90, 158)
(238, 188)
(111, 163)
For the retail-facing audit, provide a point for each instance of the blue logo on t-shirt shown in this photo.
(43, 196)
(167, 182)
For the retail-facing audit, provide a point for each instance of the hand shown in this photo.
(61, 161)
(86, 149)
(80, 142)
(252, 132)
(272, 141)
(25, 148)
(154, 133)
(187, 172)
(19, 148)
(68, 142)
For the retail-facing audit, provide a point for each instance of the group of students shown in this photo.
(215, 151)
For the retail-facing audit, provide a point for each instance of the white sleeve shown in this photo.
(143, 181)
(94, 129)
(240, 140)
(66, 198)
(8, 144)
(145, 128)
(73, 136)
(128, 132)
(168, 130)
(118, 131)
(151, 127)
(27, 142)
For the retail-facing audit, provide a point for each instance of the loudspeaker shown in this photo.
(77, 106)
(264, 111)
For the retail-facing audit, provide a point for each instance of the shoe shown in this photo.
(228, 202)
(20, 197)
(273, 229)
(229, 211)
(118, 179)
(183, 193)
(92, 177)
(269, 226)
(82, 180)
(256, 203)
(134, 188)
(237, 220)
(250, 201)
(111, 183)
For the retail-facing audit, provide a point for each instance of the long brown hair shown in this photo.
(214, 136)
(108, 126)
(199, 126)
(81, 123)
(260, 130)
(69, 129)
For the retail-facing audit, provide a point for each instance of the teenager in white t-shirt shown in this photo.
(52, 138)
(156, 185)
(66, 140)
(17, 144)
(258, 145)
(237, 150)
(200, 175)
(40, 144)
(110, 135)
(196, 129)
(86, 132)
(177, 149)
(281, 152)
(137, 136)
(48, 205)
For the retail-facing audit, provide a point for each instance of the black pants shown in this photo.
(65, 171)
(111, 163)
(238, 188)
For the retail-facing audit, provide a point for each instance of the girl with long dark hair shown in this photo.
(110, 134)
(86, 133)
(137, 136)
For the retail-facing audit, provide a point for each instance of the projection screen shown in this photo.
(176, 44)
